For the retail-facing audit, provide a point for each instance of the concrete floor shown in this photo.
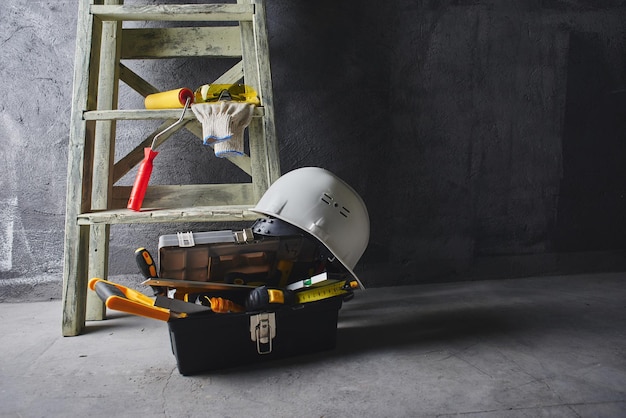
(551, 346)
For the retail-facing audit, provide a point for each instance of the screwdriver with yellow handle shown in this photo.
(146, 265)
(265, 298)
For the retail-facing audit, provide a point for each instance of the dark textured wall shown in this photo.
(476, 130)
(486, 137)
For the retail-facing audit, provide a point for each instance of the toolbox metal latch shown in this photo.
(244, 236)
(263, 331)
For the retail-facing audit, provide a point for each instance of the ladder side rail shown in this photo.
(104, 151)
(258, 155)
(262, 54)
(74, 295)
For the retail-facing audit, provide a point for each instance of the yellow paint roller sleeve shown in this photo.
(171, 99)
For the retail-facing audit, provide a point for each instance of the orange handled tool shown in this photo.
(145, 169)
(121, 298)
(145, 262)
(221, 305)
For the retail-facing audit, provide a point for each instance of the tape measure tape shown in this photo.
(266, 297)
(313, 294)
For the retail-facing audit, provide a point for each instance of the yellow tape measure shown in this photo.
(313, 294)
(264, 298)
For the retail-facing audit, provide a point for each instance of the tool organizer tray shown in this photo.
(216, 341)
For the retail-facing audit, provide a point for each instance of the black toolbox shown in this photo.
(216, 341)
(212, 341)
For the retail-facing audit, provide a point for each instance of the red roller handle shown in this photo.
(142, 179)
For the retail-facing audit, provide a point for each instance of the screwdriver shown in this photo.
(145, 262)
(221, 305)
(146, 265)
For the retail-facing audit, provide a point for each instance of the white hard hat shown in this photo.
(320, 203)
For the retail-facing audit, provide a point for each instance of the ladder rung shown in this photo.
(191, 214)
(176, 12)
(157, 43)
(187, 195)
(148, 114)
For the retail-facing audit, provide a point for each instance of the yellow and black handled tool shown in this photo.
(148, 268)
(121, 298)
(146, 264)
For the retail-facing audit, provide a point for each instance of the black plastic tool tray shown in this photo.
(218, 341)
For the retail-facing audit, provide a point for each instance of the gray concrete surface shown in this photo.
(534, 347)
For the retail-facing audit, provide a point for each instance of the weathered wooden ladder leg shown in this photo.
(93, 198)
(104, 151)
(80, 154)
(257, 70)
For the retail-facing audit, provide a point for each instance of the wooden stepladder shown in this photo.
(94, 201)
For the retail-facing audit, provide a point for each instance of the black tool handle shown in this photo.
(105, 290)
(269, 298)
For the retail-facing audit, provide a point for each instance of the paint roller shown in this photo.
(145, 169)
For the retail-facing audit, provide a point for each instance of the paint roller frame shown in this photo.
(188, 102)
(140, 186)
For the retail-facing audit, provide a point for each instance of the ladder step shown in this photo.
(191, 214)
(157, 43)
(176, 12)
(129, 114)
(175, 196)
